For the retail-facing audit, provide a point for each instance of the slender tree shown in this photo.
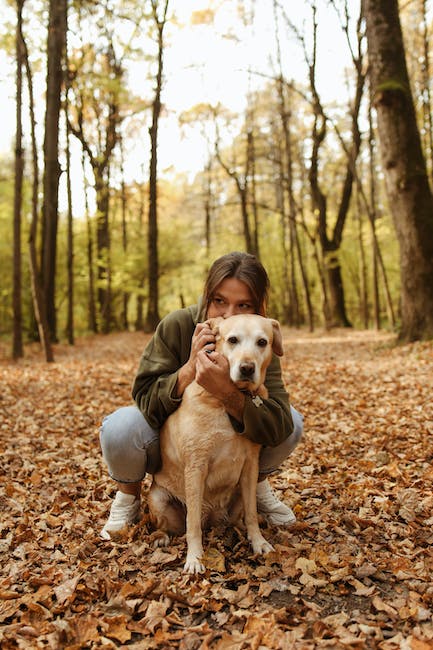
(35, 275)
(331, 244)
(241, 177)
(159, 13)
(17, 345)
(284, 95)
(91, 302)
(410, 197)
(70, 230)
(123, 211)
(95, 121)
(426, 92)
(55, 50)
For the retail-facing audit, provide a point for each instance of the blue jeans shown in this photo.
(130, 447)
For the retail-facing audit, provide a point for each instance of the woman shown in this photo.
(181, 350)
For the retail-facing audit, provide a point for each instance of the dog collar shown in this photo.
(256, 399)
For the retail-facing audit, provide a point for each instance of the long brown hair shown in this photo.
(243, 267)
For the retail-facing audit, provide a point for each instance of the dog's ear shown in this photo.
(277, 343)
(214, 324)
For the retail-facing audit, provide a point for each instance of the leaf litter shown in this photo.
(354, 572)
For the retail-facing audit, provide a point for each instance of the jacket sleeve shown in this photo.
(154, 387)
(268, 421)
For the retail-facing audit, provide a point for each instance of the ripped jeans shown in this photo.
(130, 447)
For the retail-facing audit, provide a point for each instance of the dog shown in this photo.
(205, 463)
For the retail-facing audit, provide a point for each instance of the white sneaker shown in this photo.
(271, 508)
(124, 511)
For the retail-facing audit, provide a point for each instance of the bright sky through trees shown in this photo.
(210, 63)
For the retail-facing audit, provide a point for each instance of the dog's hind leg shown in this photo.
(248, 483)
(194, 489)
(167, 516)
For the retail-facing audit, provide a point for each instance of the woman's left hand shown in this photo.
(213, 374)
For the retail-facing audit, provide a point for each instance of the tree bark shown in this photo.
(17, 343)
(35, 280)
(55, 49)
(153, 318)
(103, 244)
(409, 194)
(91, 304)
(70, 225)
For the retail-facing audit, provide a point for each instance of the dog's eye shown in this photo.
(262, 343)
(232, 340)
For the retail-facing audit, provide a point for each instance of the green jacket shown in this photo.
(154, 388)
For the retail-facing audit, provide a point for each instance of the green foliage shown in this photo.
(99, 59)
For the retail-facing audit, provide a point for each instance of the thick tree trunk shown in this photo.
(410, 198)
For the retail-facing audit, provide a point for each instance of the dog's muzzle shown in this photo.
(247, 370)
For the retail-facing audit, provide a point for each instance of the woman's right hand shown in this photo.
(203, 338)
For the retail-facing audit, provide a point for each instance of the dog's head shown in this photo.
(247, 341)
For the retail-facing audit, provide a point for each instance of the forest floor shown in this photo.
(354, 572)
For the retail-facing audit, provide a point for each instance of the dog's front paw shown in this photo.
(261, 546)
(193, 565)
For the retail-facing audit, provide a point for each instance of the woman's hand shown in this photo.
(202, 339)
(213, 374)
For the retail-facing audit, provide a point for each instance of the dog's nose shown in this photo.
(247, 369)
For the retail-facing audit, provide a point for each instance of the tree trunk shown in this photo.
(103, 246)
(152, 317)
(91, 303)
(37, 294)
(372, 216)
(123, 210)
(17, 344)
(426, 93)
(207, 191)
(363, 290)
(251, 156)
(70, 229)
(69, 248)
(55, 49)
(139, 318)
(241, 182)
(100, 164)
(331, 245)
(410, 198)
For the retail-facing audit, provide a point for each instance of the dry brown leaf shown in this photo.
(66, 589)
(214, 560)
(116, 627)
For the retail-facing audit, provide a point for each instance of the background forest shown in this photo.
(149, 138)
(139, 141)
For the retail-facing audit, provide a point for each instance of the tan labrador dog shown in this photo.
(204, 460)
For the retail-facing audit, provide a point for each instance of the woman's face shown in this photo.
(231, 297)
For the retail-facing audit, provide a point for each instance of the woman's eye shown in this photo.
(245, 306)
(218, 301)
(262, 343)
(232, 340)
